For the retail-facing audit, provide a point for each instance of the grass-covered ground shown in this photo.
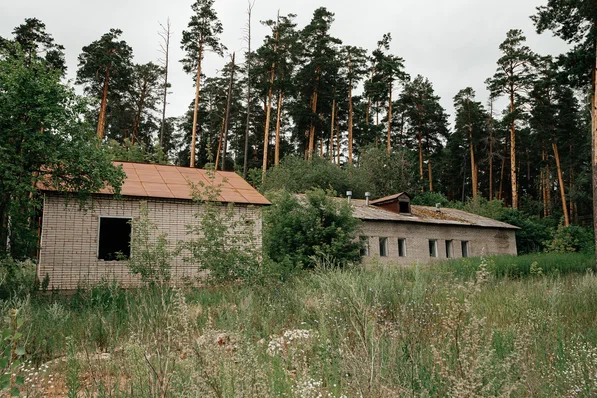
(452, 329)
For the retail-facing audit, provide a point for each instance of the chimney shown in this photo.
(438, 207)
(349, 195)
(367, 196)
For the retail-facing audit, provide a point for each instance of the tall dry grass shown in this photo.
(417, 331)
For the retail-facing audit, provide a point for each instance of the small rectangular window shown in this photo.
(401, 247)
(114, 239)
(364, 246)
(464, 244)
(405, 207)
(383, 247)
(432, 248)
(449, 249)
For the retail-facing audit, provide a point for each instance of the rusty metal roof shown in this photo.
(173, 182)
(390, 198)
(426, 215)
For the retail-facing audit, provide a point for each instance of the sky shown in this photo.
(454, 43)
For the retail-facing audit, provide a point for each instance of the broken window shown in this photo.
(401, 247)
(464, 244)
(404, 207)
(114, 238)
(383, 247)
(433, 248)
(364, 246)
(449, 249)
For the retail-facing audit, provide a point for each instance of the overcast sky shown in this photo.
(454, 43)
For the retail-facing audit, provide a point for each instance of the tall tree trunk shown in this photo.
(227, 119)
(594, 143)
(166, 51)
(548, 185)
(313, 110)
(368, 109)
(338, 140)
(270, 93)
(332, 125)
(101, 123)
(513, 173)
(561, 184)
(278, 123)
(350, 114)
(247, 128)
(196, 106)
(501, 191)
(220, 143)
(544, 183)
(390, 120)
(474, 175)
(491, 150)
(430, 171)
(420, 142)
(140, 104)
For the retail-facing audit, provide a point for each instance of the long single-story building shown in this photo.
(396, 232)
(85, 246)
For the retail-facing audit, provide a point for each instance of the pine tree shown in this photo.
(388, 68)
(355, 70)
(146, 92)
(513, 78)
(427, 120)
(576, 22)
(202, 35)
(36, 43)
(471, 123)
(320, 62)
(105, 67)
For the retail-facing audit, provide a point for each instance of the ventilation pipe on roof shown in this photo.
(349, 195)
(438, 207)
(367, 196)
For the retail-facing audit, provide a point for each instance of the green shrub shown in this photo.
(17, 278)
(151, 254)
(431, 199)
(533, 232)
(572, 238)
(298, 175)
(221, 242)
(299, 229)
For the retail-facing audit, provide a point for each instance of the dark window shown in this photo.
(401, 247)
(364, 246)
(114, 239)
(448, 249)
(432, 248)
(383, 247)
(405, 207)
(464, 244)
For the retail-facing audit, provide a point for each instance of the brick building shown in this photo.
(80, 246)
(396, 232)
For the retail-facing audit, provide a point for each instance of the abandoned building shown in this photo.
(86, 246)
(395, 232)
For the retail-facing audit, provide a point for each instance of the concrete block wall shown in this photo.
(482, 241)
(69, 239)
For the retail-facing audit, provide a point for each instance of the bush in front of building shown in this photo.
(300, 229)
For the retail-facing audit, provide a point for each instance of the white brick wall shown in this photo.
(482, 241)
(69, 238)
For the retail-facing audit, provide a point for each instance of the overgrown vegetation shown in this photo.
(449, 330)
(298, 230)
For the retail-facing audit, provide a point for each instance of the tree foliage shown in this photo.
(44, 139)
(300, 229)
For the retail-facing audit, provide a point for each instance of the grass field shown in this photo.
(506, 326)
